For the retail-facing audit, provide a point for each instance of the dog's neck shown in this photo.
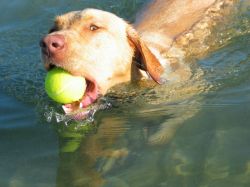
(171, 58)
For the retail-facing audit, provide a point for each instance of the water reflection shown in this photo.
(89, 153)
(133, 143)
(118, 146)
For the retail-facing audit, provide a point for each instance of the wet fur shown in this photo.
(160, 47)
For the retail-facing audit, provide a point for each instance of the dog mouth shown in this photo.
(92, 93)
(90, 96)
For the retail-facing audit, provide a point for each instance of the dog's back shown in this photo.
(177, 29)
(172, 19)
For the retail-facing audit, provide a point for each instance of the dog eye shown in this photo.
(93, 27)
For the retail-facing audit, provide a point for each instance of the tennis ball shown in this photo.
(63, 87)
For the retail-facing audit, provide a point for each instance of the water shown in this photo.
(128, 144)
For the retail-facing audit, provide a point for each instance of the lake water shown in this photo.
(123, 146)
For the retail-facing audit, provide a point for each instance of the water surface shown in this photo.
(124, 145)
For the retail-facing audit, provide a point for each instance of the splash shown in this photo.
(82, 115)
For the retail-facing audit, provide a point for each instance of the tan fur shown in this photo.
(117, 53)
(106, 54)
(159, 42)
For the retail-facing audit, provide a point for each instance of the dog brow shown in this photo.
(76, 17)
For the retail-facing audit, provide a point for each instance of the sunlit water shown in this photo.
(126, 143)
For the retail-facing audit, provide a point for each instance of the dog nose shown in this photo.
(52, 43)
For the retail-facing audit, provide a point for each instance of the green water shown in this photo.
(123, 147)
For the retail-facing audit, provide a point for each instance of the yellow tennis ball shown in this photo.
(63, 87)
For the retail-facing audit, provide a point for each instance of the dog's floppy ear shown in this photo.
(149, 62)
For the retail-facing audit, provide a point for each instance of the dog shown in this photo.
(108, 51)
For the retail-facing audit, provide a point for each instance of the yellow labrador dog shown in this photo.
(108, 51)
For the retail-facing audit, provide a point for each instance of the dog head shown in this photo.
(99, 46)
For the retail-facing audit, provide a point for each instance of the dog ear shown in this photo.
(148, 61)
